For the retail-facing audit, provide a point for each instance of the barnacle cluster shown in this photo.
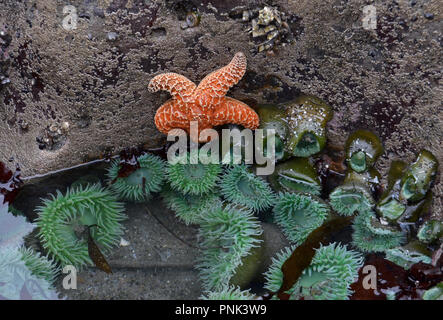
(268, 26)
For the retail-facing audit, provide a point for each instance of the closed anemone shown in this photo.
(430, 231)
(240, 186)
(140, 184)
(190, 176)
(227, 236)
(188, 207)
(296, 174)
(329, 276)
(299, 214)
(406, 258)
(419, 177)
(363, 148)
(355, 194)
(228, 293)
(370, 235)
(63, 221)
(307, 118)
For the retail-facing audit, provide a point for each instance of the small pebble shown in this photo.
(429, 16)
(413, 3)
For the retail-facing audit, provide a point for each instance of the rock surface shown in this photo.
(77, 94)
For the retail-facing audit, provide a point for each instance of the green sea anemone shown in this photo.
(189, 207)
(355, 194)
(328, 277)
(273, 117)
(296, 174)
(430, 231)
(148, 177)
(435, 293)
(299, 214)
(419, 177)
(362, 150)
(25, 275)
(390, 206)
(408, 255)
(228, 236)
(229, 293)
(39, 265)
(189, 176)
(240, 186)
(307, 117)
(274, 275)
(63, 220)
(372, 235)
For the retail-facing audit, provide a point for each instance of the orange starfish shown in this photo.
(207, 103)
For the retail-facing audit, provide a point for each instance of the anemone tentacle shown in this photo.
(63, 220)
(240, 186)
(299, 214)
(141, 183)
(228, 234)
(190, 176)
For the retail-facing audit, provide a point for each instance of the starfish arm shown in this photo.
(234, 111)
(177, 85)
(169, 117)
(215, 85)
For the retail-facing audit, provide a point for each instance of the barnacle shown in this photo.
(299, 214)
(328, 277)
(408, 255)
(419, 177)
(430, 231)
(228, 293)
(355, 193)
(362, 150)
(189, 176)
(240, 186)
(147, 178)
(63, 219)
(189, 207)
(229, 236)
(296, 174)
(307, 118)
(372, 235)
